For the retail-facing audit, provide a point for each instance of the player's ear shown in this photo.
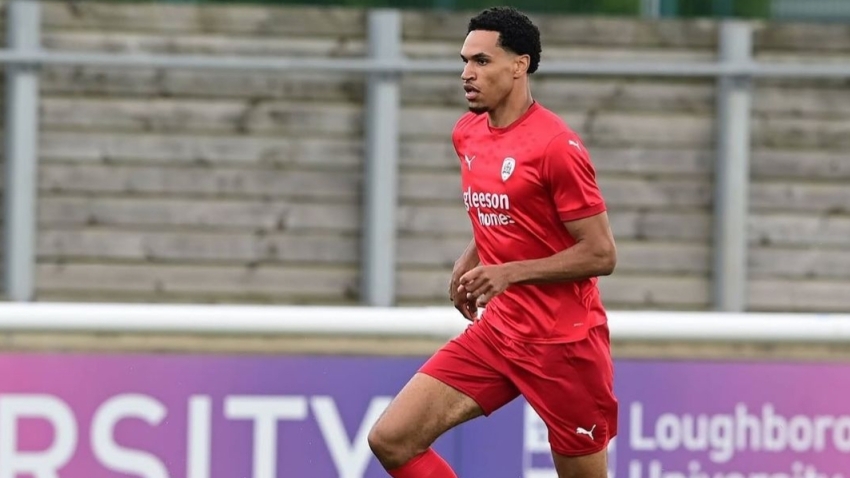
(521, 64)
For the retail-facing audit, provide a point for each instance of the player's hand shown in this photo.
(483, 283)
(465, 305)
(458, 295)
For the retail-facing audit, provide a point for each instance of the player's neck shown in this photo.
(511, 109)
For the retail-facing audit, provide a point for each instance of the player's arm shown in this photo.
(570, 177)
(469, 257)
(594, 254)
(467, 261)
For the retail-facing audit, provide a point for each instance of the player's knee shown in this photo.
(377, 439)
(388, 445)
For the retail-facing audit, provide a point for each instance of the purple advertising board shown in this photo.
(200, 416)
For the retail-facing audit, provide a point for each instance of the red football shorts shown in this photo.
(569, 385)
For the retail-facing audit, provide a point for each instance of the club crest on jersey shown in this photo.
(508, 166)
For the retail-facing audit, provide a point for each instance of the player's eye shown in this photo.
(482, 61)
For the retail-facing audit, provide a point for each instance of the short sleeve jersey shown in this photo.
(520, 184)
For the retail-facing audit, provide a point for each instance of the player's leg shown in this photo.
(423, 410)
(457, 384)
(571, 388)
(594, 465)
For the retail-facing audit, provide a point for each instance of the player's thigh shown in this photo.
(457, 384)
(422, 411)
(571, 389)
(594, 465)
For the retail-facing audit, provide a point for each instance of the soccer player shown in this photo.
(541, 238)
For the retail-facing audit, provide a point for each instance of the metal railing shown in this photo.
(399, 322)
(734, 71)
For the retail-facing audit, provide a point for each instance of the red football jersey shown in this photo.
(520, 184)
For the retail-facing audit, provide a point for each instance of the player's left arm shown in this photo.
(571, 178)
(594, 254)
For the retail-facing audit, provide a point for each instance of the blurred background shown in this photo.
(775, 9)
(283, 171)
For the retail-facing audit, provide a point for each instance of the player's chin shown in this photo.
(478, 108)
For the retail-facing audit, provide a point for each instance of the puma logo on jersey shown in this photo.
(575, 143)
(582, 431)
(468, 161)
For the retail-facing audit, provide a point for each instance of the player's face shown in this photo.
(490, 70)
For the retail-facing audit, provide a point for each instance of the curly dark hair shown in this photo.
(516, 32)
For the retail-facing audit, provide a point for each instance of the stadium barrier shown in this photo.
(399, 322)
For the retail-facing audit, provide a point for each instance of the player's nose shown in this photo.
(467, 74)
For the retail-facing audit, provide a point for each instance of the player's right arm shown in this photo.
(467, 261)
